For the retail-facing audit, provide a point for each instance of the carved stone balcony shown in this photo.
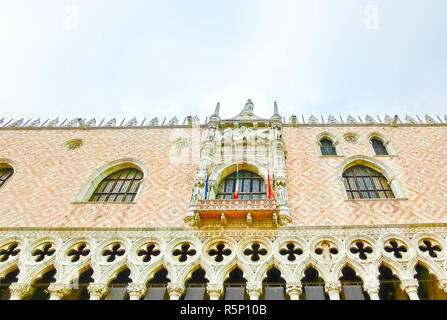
(237, 209)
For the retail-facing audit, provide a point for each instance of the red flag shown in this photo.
(270, 193)
(236, 194)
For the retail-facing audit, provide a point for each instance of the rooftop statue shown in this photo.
(249, 106)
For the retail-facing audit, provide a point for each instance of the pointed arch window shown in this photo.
(120, 186)
(379, 147)
(5, 174)
(327, 147)
(365, 183)
(251, 186)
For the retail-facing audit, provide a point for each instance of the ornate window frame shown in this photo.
(370, 162)
(105, 170)
(6, 163)
(331, 137)
(386, 143)
(220, 172)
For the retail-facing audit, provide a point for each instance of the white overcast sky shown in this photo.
(106, 58)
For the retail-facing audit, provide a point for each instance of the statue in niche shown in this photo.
(197, 193)
(280, 192)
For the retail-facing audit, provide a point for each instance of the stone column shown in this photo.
(333, 289)
(372, 288)
(58, 290)
(294, 289)
(410, 286)
(254, 290)
(97, 290)
(136, 290)
(20, 290)
(175, 290)
(214, 290)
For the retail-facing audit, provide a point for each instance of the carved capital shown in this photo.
(254, 290)
(97, 290)
(409, 285)
(20, 290)
(58, 290)
(294, 288)
(332, 286)
(175, 290)
(443, 284)
(136, 290)
(372, 287)
(215, 290)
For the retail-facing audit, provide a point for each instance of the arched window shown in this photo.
(5, 174)
(378, 147)
(251, 186)
(120, 186)
(365, 183)
(327, 148)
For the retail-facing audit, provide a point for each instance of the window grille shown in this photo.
(251, 186)
(365, 183)
(120, 186)
(327, 148)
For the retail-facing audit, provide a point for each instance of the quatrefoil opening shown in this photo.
(184, 252)
(220, 252)
(430, 247)
(10, 251)
(255, 252)
(396, 248)
(361, 249)
(150, 251)
(80, 251)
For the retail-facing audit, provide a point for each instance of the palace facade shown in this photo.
(146, 210)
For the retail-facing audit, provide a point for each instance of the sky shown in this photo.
(124, 59)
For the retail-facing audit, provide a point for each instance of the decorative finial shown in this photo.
(275, 108)
(216, 112)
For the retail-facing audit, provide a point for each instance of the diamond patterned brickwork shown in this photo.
(315, 195)
(47, 178)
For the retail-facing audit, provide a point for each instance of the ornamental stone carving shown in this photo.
(136, 290)
(58, 290)
(20, 290)
(97, 290)
(175, 290)
(215, 290)
(294, 289)
(254, 290)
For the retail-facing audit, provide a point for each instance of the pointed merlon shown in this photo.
(395, 119)
(53, 123)
(331, 120)
(91, 123)
(217, 110)
(1, 121)
(132, 123)
(429, 120)
(153, 122)
(16, 124)
(409, 119)
(388, 119)
(111, 123)
(351, 120)
(369, 119)
(173, 122)
(72, 123)
(34, 123)
(313, 120)
(275, 108)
